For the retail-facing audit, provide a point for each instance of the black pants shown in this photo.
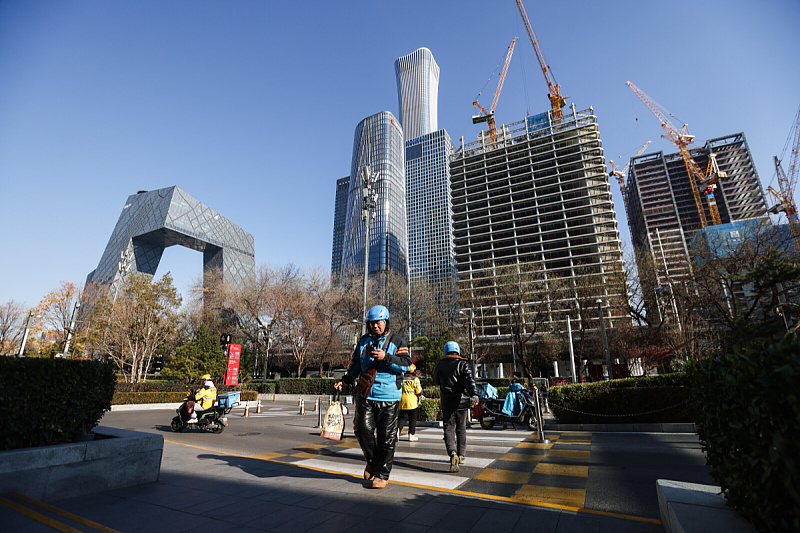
(455, 431)
(410, 416)
(376, 429)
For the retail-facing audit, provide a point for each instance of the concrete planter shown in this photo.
(116, 458)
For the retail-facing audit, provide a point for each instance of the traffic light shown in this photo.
(224, 339)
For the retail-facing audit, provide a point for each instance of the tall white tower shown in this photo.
(418, 93)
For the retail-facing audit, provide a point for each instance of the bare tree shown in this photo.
(133, 327)
(12, 323)
(56, 309)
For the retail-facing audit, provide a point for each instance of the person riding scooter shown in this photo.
(202, 399)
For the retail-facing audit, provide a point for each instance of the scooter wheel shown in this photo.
(487, 424)
(531, 421)
(218, 428)
(176, 425)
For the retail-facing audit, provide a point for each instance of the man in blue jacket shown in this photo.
(380, 359)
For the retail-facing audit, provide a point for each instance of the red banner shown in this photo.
(555, 382)
(232, 373)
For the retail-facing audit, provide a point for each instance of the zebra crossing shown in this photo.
(499, 462)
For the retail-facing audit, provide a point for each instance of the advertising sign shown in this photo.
(233, 351)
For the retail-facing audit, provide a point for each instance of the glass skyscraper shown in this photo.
(339, 215)
(378, 142)
(430, 213)
(418, 93)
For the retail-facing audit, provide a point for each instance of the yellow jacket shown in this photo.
(411, 390)
(205, 397)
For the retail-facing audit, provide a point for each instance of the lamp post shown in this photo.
(370, 200)
(605, 339)
(571, 351)
(471, 334)
(25, 334)
(266, 353)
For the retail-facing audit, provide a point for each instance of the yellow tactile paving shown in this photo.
(522, 457)
(504, 476)
(571, 497)
(554, 469)
(575, 442)
(268, 455)
(569, 435)
(574, 454)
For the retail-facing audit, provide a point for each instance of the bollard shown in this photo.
(302, 407)
(258, 407)
(274, 395)
(540, 438)
(319, 419)
(546, 406)
(246, 409)
(299, 401)
(316, 405)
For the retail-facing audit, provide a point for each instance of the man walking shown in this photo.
(379, 362)
(453, 374)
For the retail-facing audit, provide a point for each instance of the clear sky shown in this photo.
(251, 106)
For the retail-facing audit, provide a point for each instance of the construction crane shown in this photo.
(481, 114)
(783, 200)
(620, 174)
(556, 100)
(682, 139)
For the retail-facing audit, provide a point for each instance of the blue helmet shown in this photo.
(452, 347)
(377, 312)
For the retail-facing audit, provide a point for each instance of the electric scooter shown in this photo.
(213, 419)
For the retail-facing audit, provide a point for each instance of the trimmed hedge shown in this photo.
(132, 398)
(48, 401)
(430, 410)
(748, 417)
(651, 399)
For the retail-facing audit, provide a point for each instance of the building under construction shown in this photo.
(537, 193)
(663, 213)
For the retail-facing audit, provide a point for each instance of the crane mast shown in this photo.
(783, 200)
(554, 94)
(682, 139)
(481, 114)
(620, 174)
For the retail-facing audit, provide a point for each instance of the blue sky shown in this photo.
(250, 107)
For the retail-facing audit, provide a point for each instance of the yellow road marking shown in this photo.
(575, 454)
(268, 455)
(571, 497)
(568, 435)
(537, 445)
(553, 469)
(312, 447)
(66, 514)
(305, 455)
(347, 445)
(522, 457)
(574, 442)
(504, 476)
(536, 503)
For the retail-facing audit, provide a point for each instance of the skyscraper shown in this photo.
(339, 216)
(418, 93)
(539, 195)
(430, 214)
(378, 142)
(663, 214)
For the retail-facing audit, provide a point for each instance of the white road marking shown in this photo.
(444, 481)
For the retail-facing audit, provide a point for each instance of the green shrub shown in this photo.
(651, 399)
(430, 410)
(133, 398)
(748, 418)
(48, 400)
(304, 386)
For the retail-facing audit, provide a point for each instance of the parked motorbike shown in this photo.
(213, 419)
(490, 411)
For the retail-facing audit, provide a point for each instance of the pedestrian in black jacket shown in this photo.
(453, 374)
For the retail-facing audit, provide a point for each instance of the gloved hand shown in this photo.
(475, 400)
(421, 397)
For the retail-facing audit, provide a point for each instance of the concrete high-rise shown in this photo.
(663, 214)
(418, 93)
(339, 220)
(537, 194)
(378, 142)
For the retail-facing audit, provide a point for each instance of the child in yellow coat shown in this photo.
(409, 403)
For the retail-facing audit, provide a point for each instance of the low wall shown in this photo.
(117, 458)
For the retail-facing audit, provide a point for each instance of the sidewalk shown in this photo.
(206, 490)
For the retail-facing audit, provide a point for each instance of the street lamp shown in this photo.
(71, 328)
(266, 352)
(370, 200)
(471, 333)
(605, 339)
(25, 334)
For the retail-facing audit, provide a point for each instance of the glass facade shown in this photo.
(339, 214)
(154, 220)
(378, 142)
(418, 93)
(430, 212)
